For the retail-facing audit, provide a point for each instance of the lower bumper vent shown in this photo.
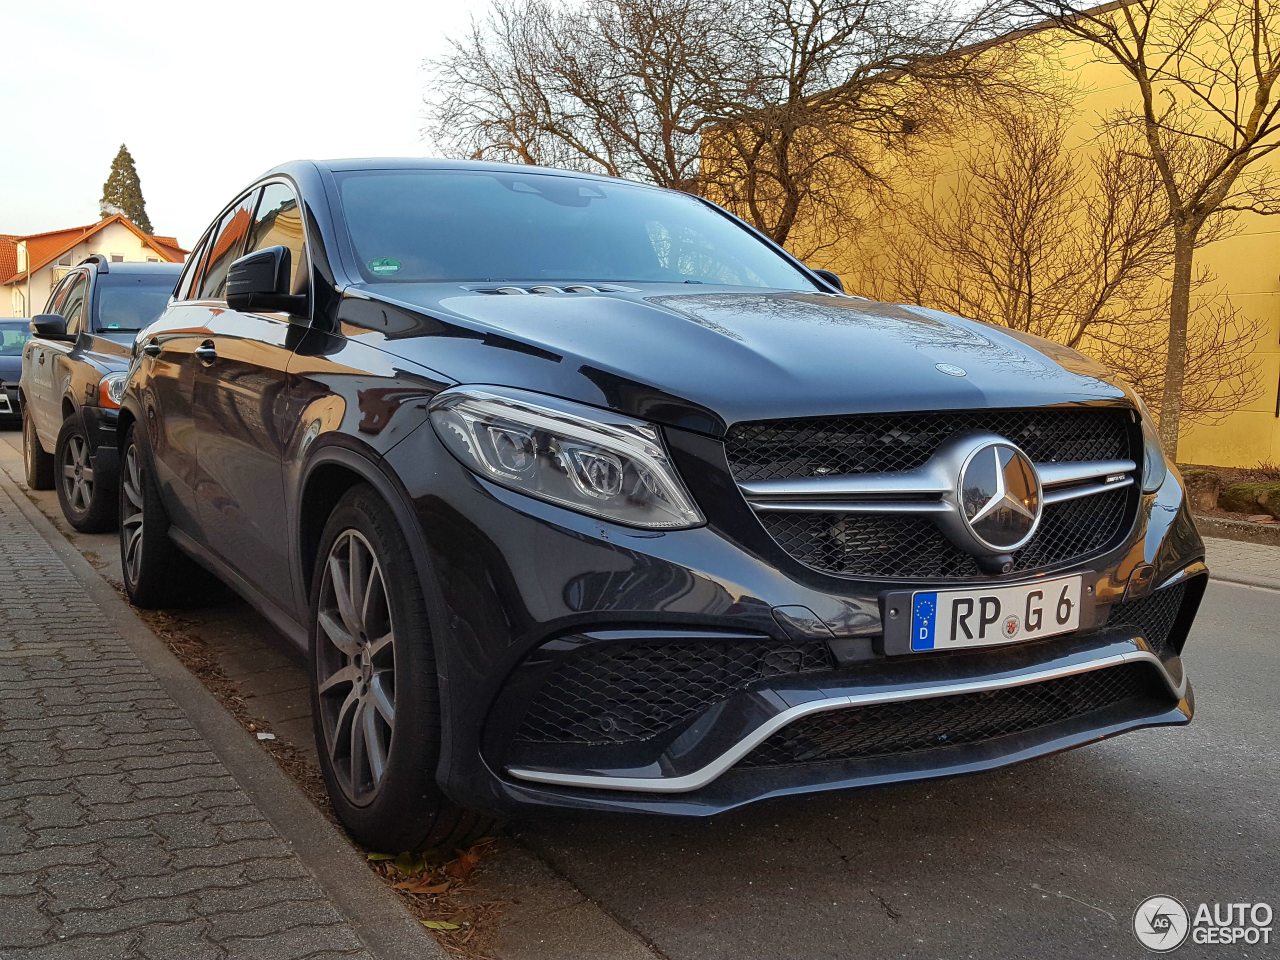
(621, 693)
(1153, 616)
(893, 729)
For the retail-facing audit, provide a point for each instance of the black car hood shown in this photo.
(10, 369)
(708, 358)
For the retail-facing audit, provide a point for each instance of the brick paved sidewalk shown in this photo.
(122, 832)
(1252, 563)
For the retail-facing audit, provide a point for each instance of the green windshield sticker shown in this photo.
(383, 265)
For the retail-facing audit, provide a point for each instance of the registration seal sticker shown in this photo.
(383, 266)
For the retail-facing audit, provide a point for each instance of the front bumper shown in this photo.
(519, 587)
(100, 432)
(10, 404)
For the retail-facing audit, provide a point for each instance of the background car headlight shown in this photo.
(111, 390)
(1154, 466)
(580, 457)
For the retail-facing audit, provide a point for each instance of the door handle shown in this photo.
(41, 359)
(152, 348)
(206, 352)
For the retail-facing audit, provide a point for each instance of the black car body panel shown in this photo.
(252, 444)
(804, 354)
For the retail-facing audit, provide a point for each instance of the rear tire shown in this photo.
(86, 484)
(375, 698)
(38, 464)
(156, 573)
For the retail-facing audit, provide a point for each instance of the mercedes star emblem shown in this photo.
(1000, 497)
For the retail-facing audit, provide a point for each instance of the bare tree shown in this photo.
(778, 108)
(623, 87)
(1078, 253)
(1207, 113)
(834, 86)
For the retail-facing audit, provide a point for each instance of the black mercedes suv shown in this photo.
(584, 494)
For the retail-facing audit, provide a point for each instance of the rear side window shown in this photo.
(227, 246)
(279, 224)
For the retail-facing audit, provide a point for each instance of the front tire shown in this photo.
(86, 486)
(156, 573)
(374, 689)
(38, 464)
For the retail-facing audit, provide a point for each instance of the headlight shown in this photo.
(111, 390)
(579, 457)
(1154, 466)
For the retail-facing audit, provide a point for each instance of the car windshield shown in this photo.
(128, 302)
(479, 226)
(12, 336)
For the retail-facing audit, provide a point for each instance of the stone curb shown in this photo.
(373, 911)
(1267, 534)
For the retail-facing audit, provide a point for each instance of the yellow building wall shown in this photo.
(1247, 264)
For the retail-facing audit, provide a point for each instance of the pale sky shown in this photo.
(206, 96)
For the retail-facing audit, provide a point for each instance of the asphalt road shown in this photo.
(1048, 859)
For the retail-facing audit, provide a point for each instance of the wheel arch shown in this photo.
(333, 471)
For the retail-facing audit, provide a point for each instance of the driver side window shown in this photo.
(74, 306)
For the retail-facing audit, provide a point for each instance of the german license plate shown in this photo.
(954, 619)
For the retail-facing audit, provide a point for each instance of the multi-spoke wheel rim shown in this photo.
(131, 521)
(355, 666)
(77, 474)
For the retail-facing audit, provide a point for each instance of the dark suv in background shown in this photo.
(73, 370)
(13, 335)
(584, 494)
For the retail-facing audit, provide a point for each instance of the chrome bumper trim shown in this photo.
(703, 776)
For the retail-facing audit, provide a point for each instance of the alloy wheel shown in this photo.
(131, 521)
(355, 666)
(77, 474)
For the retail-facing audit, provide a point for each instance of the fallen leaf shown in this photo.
(440, 925)
(461, 868)
(409, 863)
(376, 857)
(422, 886)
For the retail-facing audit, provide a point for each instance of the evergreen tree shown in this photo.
(122, 193)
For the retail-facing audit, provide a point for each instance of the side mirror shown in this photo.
(831, 277)
(50, 326)
(260, 281)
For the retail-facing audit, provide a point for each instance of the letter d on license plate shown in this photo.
(981, 617)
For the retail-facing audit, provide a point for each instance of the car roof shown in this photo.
(134, 269)
(431, 163)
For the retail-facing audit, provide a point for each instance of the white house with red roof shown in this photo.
(31, 265)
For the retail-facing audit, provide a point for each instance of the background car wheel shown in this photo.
(39, 465)
(86, 493)
(156, 572)
(374, 692)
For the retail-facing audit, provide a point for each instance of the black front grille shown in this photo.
(1153, 616)
(885, 443)
(894, 729)
(620, 693)
(911, 546)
